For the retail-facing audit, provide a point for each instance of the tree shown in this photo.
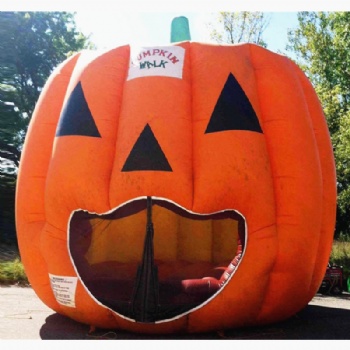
(237, 27)
(32, 45)
(321, 44)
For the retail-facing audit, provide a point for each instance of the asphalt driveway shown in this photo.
(24, 316)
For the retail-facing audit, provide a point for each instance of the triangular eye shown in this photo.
(76, 118)
(233, 110)
(146, 154)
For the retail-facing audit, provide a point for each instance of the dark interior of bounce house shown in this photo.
(151, 260)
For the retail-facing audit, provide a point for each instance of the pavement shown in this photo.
(24, 317)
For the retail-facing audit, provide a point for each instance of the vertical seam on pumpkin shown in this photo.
(117, 124)
(60, 72)
(271, 172)
(303, 89)
(262, 123)
(192, 117)
(297, 78)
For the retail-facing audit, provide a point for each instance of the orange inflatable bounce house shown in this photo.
(180, 188)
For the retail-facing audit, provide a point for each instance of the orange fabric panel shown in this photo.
(165, 104)
(237, 305)
(109, 239)
(32, 176)
(195, 240)
(297, 183)
(224, 241)
(232, 169)
(40, 135)
(329, 186)
(242, 178)
(166, 236)
(81, 166)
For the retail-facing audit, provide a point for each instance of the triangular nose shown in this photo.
(146, 154)
(233, 110)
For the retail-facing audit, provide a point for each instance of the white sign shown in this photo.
(164, 61)
(64, 288)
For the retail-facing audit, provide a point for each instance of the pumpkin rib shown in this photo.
(58, 172)
(31, 182)
(164, 109)
(272, 245)
(121, 95)
(327, 162)
(235, 60)
(80, 165)
(317, 233)
(271, 80)
(191, 80)
(111, 69)
(92, 157)
(274, 224)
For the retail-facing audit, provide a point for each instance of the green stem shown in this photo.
(180, 30)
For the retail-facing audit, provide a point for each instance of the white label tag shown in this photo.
(164, 61)
(64, 289)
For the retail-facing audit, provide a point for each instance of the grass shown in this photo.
(12, 270)
(341, 256)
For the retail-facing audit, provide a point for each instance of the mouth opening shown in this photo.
(151, 260)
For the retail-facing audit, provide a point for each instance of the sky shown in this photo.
(110, 29)
(113, 23)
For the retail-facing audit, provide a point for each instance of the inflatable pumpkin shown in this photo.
(182, 188)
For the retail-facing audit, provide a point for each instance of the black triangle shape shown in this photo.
(233, 110)
(146, 154)
(76, 117)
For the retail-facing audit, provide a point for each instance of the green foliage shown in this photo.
(340, 255)
(342, 154)
(238, 27)
(12, 272)
(32, 45)
(321, 44)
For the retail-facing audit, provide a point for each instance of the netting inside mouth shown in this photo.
(151, 260)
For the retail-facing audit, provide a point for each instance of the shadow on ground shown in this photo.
(312, 323)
